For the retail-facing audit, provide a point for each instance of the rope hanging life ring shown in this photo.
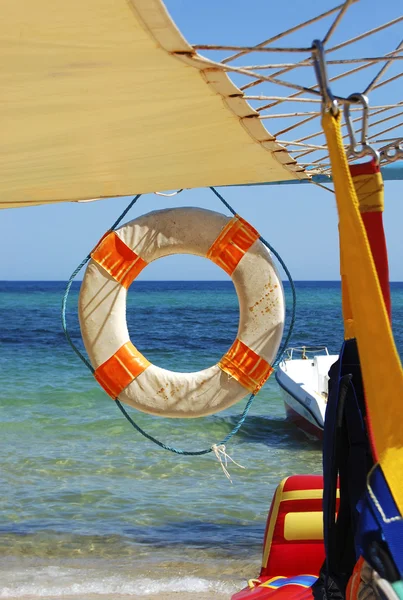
(119, 257)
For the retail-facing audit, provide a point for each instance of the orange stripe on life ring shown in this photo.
(233, 241)
(247, 367)
(113, 255)
(116, 373)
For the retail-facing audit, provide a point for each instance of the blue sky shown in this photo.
(300, 221)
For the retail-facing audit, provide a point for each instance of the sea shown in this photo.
(89, 508)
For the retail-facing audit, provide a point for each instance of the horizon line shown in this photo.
(176, 281)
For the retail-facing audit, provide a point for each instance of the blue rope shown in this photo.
(64, 307)
(124, 213)
(121, 408)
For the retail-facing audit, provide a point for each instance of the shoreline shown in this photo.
(159, 596)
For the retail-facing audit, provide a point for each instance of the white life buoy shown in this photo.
(122, 370)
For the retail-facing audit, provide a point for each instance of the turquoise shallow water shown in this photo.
(89, 506)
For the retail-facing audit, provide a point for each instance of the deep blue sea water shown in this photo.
(89, 506)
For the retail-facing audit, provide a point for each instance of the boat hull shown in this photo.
(298, 414)
(304, 387)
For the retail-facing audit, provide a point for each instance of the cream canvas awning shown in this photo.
(105, 98)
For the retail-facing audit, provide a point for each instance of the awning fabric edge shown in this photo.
(106, 105)
(156, 20)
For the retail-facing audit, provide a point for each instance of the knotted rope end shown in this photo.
(223, 458)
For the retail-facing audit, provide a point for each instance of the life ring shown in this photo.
(116, 261)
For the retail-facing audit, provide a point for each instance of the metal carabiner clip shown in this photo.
(392, 152)
(329, 102)
(361, 148)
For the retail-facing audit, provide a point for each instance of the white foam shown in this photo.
(64, 585)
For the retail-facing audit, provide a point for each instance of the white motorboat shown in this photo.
(303, 378)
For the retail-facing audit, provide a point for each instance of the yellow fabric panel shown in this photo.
(305, 495)
(303, 526)
(94, 104)
(349, 331)
(369, 190)
(381, 368)
(278, 498)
